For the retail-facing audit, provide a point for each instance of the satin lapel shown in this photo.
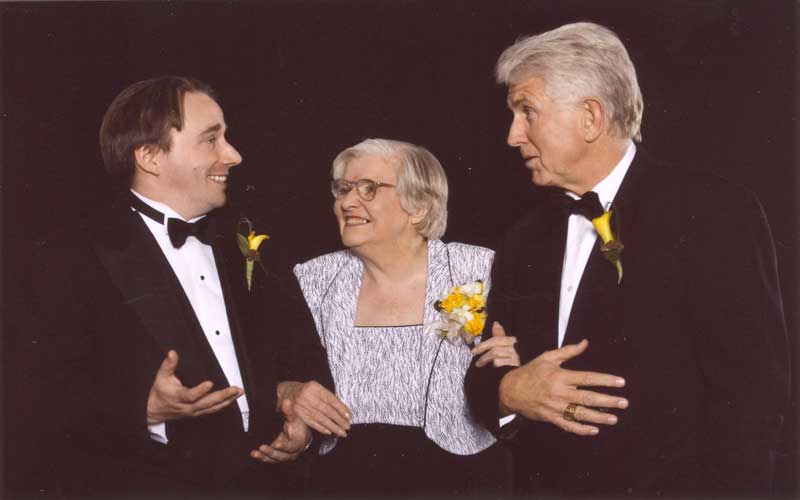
(231, 268)
(596, 310)
(148, 285)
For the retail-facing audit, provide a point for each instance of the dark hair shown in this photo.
(143, 114)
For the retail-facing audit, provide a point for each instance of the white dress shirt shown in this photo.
(581, 237)
(194, 265)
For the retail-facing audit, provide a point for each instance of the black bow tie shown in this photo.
(588, 205)
(177, 229)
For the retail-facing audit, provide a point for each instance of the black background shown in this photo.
(301, 80)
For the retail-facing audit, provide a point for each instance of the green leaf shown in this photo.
(244, 247)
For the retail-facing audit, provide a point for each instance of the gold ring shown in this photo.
(569, 412)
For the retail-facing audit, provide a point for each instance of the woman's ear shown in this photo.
(420, 214)
(148, 159)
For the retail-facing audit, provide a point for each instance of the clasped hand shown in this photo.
(293, 440)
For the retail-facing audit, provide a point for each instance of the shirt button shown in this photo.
(217, 332)
(202, 277)
(570, 288)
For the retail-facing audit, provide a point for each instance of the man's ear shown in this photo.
(593, 119)
(148, 159)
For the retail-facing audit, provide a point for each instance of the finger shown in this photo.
(287, 408)
(486, 358)
(592, 379)
(510, 360)
(586, 415)
(195, 393)
(597, 400)
(169, 364)
(574, 427)
(272, 453)
(567, 352)
(293, 439)
(227, 396)
(318, 426)
(337, 405)
(260, 456)
(214, 409)
(329, 415)
(492, 343)
(321, 423)
(498, 330)
(497, 354)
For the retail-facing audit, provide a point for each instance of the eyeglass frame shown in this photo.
(355, 184)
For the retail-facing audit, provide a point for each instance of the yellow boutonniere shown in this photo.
(611, 247)
(249, 245)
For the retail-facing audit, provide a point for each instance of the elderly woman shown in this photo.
(398, 422)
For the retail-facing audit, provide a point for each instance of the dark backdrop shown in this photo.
(301, 80)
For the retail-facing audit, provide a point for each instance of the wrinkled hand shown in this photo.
(169, 399)
(290, 443)
(499, 350)
(318, 407)
(541, 390)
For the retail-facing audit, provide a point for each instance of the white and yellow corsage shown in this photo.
(463, 313)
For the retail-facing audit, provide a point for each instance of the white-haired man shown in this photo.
(678, 297)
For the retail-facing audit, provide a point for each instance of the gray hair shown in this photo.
(421, 181)
(576, 61)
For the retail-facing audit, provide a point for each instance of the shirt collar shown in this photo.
(607, 188)
(168, 212)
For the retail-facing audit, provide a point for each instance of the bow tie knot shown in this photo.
(179, 230)
(588, 205)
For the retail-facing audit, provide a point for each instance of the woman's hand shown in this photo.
(318, 407)
(499, 350)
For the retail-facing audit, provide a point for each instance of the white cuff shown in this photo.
(508, 418)
(158, 432)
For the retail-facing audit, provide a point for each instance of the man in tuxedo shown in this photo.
(162, 377)
(678, 298)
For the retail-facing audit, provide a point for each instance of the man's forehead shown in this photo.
(202, 113)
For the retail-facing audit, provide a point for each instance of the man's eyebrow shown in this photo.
(516, 101)
(213, 128)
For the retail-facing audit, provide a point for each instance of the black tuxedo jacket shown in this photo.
(110, 309)
(695, 327)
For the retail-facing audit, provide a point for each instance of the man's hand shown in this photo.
(499, 350)
(318, 407)
(290, 443)
(170, 400)
(542, 390)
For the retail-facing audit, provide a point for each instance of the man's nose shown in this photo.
(230, 156)
(516, 133)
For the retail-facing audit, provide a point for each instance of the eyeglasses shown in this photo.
(365, 188)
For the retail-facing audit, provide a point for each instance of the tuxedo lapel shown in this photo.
(231, 268)
(599, 297)
(139, 270)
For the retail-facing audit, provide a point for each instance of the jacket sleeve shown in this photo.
(482, 384)
(302, 357)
